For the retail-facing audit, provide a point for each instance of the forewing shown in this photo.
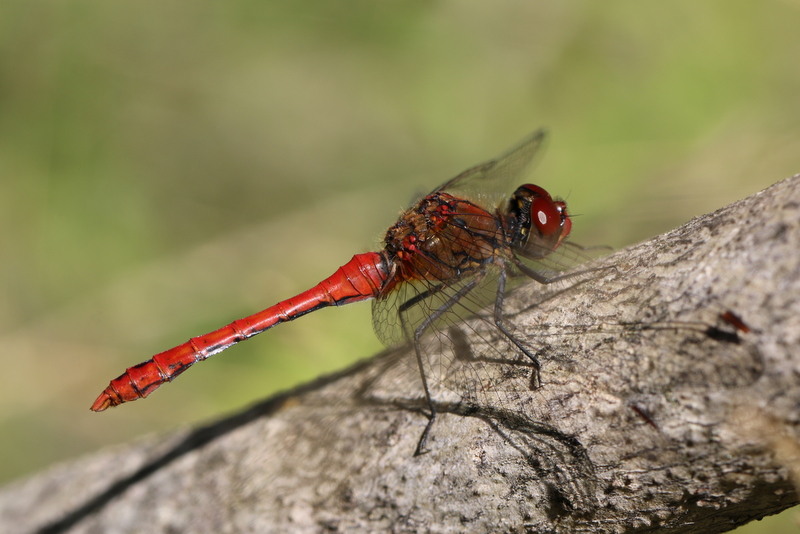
(491, 184)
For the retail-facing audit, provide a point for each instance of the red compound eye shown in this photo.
(545, 215)
(541, 223)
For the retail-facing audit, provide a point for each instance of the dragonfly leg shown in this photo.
(584, 248)
(498, 322)
(543, 279)
(417, 335)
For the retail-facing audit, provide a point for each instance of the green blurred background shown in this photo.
(166, 167)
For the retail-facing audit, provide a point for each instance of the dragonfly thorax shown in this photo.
(443, 238)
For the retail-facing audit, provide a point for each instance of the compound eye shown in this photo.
(545, 215)
(540, 224)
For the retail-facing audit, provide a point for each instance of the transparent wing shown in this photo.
(397, 315)
(468, 361)
(491, 184)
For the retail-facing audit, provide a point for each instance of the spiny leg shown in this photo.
(542, 279)
(420, 330)
(498, 322)
(498, 307)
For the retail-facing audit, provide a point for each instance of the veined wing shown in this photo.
(490, 184)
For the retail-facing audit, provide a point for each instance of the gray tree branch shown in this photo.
(653, 414)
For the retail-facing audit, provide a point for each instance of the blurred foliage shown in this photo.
(166, 167)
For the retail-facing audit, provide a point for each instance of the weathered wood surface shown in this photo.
(669, 427)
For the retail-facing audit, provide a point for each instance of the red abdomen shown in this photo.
(359, 279)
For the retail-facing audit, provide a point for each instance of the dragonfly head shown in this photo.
(538, 223)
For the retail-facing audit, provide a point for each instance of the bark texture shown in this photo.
(653, 415)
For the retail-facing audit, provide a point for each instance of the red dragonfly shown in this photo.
(466, 232)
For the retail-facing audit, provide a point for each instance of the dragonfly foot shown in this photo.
(423, 439)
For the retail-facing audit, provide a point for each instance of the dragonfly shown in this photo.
(471, 231)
